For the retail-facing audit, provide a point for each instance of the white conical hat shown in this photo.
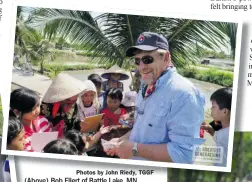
(115, 69)
(63, 87)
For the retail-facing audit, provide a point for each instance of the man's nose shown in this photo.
(141, 65)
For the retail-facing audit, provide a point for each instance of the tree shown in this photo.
(61, 43)
(24, 33)
(111, 34)
(29, 42)
(230, 30)
(107, 36)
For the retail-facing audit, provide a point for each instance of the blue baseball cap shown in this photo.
(148, 41)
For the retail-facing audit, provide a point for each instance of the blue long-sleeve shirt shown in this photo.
(171, 115)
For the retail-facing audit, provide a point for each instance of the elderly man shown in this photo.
(169, 109)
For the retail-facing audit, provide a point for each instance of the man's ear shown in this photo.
(167, 57)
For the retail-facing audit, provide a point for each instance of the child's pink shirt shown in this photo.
(41, 124)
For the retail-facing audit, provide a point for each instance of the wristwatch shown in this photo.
(134, 149)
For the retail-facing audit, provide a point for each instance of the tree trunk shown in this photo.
(188, 174)
(175, 175)
(224, 178)
(218, 176)
(202, 176)
(136, 81)
(42, 67)
(240, 157)
(235, 163)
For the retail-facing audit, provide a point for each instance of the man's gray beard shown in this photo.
(149, 81)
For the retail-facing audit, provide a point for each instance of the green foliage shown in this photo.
(215, 54)
(87, 54)
(211, 75)
(56, 68)
(61, 43)
(106, 37)
(231, 69)
(53, 70)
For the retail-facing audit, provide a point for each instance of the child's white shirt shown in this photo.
(221, 139)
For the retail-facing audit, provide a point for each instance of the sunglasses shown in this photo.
(145, 59)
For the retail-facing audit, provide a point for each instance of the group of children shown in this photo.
(25, 119)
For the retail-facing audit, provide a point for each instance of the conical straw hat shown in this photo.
(115, 69)
(63, 87)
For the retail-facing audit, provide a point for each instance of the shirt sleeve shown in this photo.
(27, 145)
(105, 120)
(123, 111)
(186, 116)
(43, 125)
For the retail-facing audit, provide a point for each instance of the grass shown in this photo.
(231, 69)
(49, 67)
(212, 75)
(52, 70)
(67, 56)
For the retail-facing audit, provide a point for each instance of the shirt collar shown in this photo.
(165, 76)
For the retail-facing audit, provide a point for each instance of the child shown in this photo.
(15, 137)
(88, 105)
(25, 105)
(97, 81)
(87, 102)
(220, 111)
(113, 112)
(129, 104)
(77, 139)
(113, 76)
(61, 146)
(59, 103)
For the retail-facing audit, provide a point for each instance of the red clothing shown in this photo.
(110, 118)
(61, 125)
(41, 124)
(60, 128)
(202, 133)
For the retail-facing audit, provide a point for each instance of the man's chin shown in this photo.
(148, 81)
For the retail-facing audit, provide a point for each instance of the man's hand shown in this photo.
(124, 149)
(112, 151)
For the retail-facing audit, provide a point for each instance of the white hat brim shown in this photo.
(63, 87)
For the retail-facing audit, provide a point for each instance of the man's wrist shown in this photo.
(135, 151)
